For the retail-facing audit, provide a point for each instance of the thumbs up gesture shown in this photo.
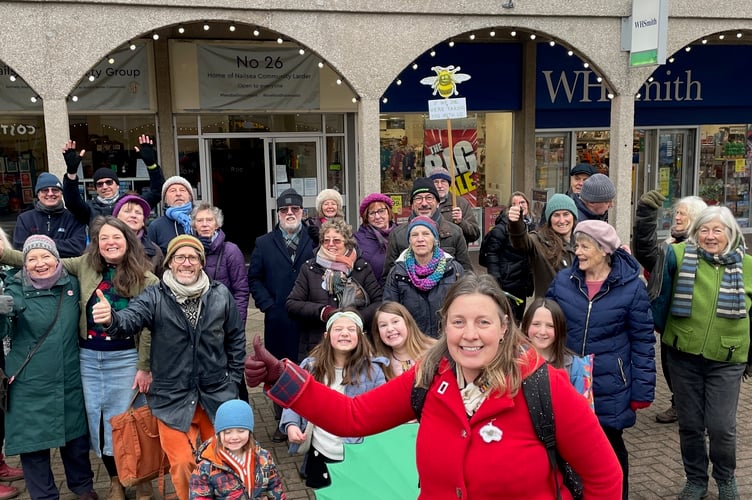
(514, 213)
(102, 311)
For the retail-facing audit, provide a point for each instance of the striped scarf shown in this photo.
(242, 466)
(731, 293)
(425, 277)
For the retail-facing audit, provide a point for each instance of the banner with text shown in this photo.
(242, 77)
(465, 145)
(15, 94)
(123, 85)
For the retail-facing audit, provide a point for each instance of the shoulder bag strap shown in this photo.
(537, 392)
(41, 339)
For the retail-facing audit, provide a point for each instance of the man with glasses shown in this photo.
(275, 264)
(424, 199)
(50, 218)
(197, 351)
(461, 214)
(106, 182)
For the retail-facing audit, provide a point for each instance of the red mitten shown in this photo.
(638, 405)
(262, 366)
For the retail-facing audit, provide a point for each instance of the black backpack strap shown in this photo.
(418, 399)
(537, 391)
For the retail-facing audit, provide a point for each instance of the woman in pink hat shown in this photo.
(373, 234)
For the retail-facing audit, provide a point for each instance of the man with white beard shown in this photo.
(275, 263)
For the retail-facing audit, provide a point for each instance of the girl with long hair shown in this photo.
(396, 336)
(343, 361)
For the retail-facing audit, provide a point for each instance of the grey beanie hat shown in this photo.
(40, 241)
(598, 188)
(176, 179)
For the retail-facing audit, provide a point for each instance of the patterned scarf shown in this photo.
(181, 215)
(428, 276)
(337, 268)
(731, 293)
(242, 466)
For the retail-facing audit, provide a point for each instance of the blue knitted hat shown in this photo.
(233, 414)
(428, 222)
(47, 180)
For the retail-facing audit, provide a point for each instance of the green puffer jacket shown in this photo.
(703, 333)
(46, 404)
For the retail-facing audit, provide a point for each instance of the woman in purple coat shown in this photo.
(224, 260)
(373, 234)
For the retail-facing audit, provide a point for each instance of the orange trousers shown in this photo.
(179, 447)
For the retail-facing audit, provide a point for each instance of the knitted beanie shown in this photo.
(328, 194)
(423, 185)
(176, 179)
(233, 414)
(132, 198)
(47, 180)
(289, 198)
(105, 173)
(560, 202)
(598, 188)
(428, 222)
(440, 173)
(184, 240)
(583, 168)
(602, 232)
(373, 198)
(40, 241)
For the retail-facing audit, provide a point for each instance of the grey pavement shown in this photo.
(655, 462)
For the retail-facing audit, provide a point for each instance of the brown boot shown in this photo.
(144, 491)
(116, 490)
(7, 492)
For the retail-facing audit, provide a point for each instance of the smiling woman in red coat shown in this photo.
(476, 439)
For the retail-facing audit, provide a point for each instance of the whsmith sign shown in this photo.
(648, 29)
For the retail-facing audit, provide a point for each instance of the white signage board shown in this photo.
(649, 25)
(447, 109)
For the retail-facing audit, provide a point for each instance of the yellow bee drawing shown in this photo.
(446, 80)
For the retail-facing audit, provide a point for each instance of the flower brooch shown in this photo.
(490, 432)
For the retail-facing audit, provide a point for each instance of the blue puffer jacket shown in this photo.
(616, 326)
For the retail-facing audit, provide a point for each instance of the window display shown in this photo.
(725, 158)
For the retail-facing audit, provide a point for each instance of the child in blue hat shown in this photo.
(232, 464)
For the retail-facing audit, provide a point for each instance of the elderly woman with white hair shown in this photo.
(651, 255)
(703, 312)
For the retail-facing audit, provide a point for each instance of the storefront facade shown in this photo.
(46, 48)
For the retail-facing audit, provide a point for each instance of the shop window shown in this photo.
(725, 158)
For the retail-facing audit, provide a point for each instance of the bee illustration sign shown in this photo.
(444, 83)
(446, 109)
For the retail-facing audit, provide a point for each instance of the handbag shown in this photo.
(354, 295)
(135, 442)
(5, 381)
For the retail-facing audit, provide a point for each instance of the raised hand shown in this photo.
(147, 150)
(514, 213)
(101, 312)
(653, 199)
(72, 157)
(262, 366)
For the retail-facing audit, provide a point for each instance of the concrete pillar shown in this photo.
(167, 154)
(524, 142)
(56, 133)
(369, 170)
(620, 163)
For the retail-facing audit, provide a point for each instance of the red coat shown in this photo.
(453, 460)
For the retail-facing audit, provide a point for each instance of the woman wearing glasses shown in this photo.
(373, 234)
(338, 276)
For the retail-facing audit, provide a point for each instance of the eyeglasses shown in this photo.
(292, 209)
(50, 190)
(333, 241)
(179, 259)
(106, 182)
(424, 198)
(381, 212)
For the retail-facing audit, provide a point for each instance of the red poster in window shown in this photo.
(465, 146)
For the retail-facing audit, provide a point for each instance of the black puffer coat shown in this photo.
(510, 266)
